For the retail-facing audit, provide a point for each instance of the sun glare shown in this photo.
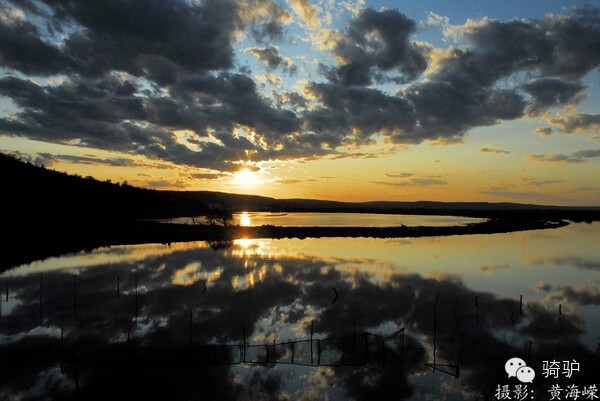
(246, 178)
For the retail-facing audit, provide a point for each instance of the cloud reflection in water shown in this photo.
(273, 294)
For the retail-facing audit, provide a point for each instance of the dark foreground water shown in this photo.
(314, 319)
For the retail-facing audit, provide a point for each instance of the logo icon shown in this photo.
(516, 367)
(525, 374)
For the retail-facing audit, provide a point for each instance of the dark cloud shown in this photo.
(450, 105)
(555, 45)
(576, 261)
(272, 59)
(416, 181)
(362, 110)
(543, 131)
(587, 189)
(124, 35)
(551, 326)
(115, 162)
(548, 92)
(399, 175)
(269, 56)
(207, 176)
(542, 182)
(543, 287)
(366, 57)
(269, 30)
(22, 49)
(579, 156)
(579, 296)
(288, 181)
(493, 268)
(576, 122)
(587, 153)
(496, 151)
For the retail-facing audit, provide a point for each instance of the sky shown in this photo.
(345, 100)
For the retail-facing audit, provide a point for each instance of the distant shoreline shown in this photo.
(25, 245)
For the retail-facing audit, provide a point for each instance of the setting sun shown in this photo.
(246, 178)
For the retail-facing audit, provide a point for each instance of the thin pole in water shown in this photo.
(311, 341)
(190, 329)
(41, 310)
(437, 297)
(62, 354)
(75, 297)
(136, 300)
(521, 305)
(455, 315)
(244, 342)
(476, 311)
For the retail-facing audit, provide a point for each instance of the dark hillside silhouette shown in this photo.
(33, 193)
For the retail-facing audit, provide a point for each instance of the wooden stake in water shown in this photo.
(434, 330)
(62, 354)
(521, 305)
(354, 339)
(41, 314)
(75, 297)
(311, 341)
(244, 349)
(455, 315)
(476, 311)
(118, 288)
(190, 329)
(136, 300)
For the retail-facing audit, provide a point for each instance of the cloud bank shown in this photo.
(162, 79)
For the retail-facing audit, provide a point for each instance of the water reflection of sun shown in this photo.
(245, 219)
(244, 243)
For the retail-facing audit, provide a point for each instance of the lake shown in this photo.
(304, 219)
(312, 319)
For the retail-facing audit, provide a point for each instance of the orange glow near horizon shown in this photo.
(430, 173)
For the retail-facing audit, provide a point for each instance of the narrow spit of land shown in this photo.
(25, 246)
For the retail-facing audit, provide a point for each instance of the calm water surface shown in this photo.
(178, 321)
(250, 219)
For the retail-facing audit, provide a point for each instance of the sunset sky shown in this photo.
(345, 100)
